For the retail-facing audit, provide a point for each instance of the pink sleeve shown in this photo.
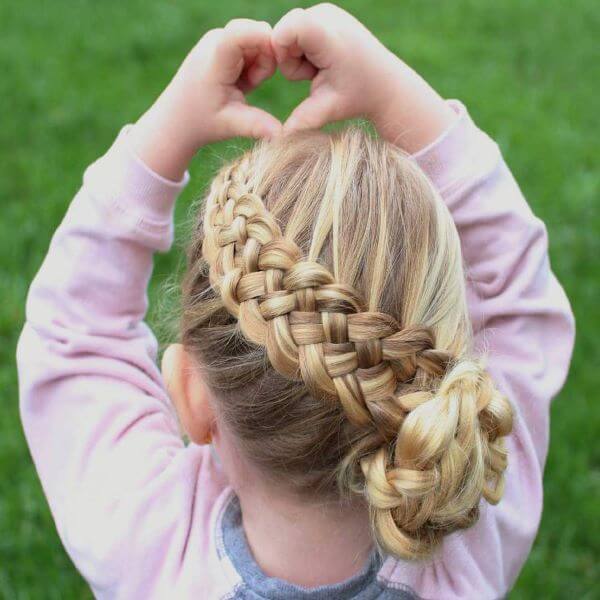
(99, 424)
(524, 324)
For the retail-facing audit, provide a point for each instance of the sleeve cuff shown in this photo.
(121, 178)
(457, 151)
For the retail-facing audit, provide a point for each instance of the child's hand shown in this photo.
(353, 75)
(205, 101)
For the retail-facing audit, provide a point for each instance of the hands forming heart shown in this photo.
(352, 75)
(323, 44)
(348, 66)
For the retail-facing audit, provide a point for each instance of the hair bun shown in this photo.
(449, 453)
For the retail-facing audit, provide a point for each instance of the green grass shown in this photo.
(74, 71)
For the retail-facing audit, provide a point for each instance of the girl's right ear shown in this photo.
(189, 394)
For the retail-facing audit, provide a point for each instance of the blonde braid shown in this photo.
(432, 419)
(313, 328)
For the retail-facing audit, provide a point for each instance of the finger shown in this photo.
(245, 41)
(293, 64)
(288, 54)
(317, 110)
(297, 68)
(249, 121)
(299, 34)
(263, 67)
(256, 70)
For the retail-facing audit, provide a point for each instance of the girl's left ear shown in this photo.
(189, 394)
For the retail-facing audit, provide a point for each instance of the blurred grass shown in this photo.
(74, 71)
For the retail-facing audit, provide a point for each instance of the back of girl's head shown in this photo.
(325, 304)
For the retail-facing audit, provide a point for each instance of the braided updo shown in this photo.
(325, 301)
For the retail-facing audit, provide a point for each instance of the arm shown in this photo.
(98, 421)
(95, 414)
(524, 324)
(521, 317)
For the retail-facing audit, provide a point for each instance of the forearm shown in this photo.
(524, 325)
(93, 405)
(408, 111)
(504, 244)
(159, 148)
(162, 139)
(89, 298)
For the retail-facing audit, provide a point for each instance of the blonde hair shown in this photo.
(325, 302)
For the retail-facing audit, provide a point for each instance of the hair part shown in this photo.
(325, 303)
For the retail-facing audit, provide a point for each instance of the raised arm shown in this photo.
(98, 421)
(521, 317)
(524, 324)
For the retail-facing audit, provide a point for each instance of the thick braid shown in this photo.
(313, 328)
(434, 424)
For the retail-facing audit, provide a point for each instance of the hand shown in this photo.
(354, 75)
(205, 102)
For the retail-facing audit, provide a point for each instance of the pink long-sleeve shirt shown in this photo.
(139, 512)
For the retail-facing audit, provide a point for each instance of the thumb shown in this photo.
(249, 121)
(317, 110)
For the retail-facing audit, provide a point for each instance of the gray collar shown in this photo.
(258, 585)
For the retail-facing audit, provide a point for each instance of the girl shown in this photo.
(346, 440)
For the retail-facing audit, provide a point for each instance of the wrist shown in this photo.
(159, 149)
(410, 113)
(161, 139)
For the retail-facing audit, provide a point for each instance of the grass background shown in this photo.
(74, 71)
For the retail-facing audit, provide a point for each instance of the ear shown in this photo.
(189, 394)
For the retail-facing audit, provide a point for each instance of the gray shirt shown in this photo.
(255, 585)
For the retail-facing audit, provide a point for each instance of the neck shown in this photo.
(300, 542)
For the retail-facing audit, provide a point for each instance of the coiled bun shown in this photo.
(448, 454)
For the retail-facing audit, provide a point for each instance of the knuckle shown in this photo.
(217, 31)
(209, 41)
(294, 15)
(325, 8)
(214, 35)
(236, 23)
(288, 19)
(241, 27)
(241, 24)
